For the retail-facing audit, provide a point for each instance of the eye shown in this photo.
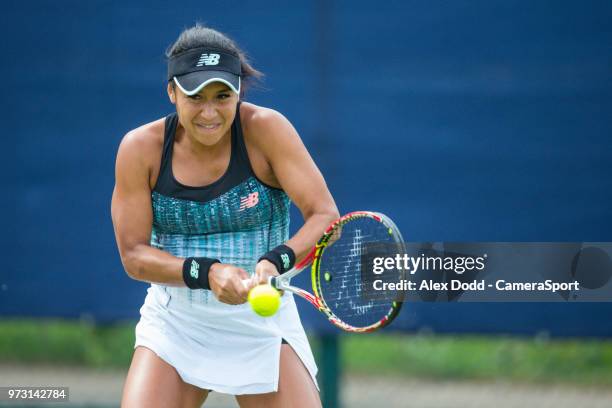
(195, 97)
(223, 95)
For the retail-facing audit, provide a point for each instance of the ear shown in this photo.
(171, 93)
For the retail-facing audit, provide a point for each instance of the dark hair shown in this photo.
(200, 36)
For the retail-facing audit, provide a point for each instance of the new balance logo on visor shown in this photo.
(249, 201)
(208, 59)
(195, 269)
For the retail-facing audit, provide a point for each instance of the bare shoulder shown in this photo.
(145, 140)
(252, 114)
(265, 127)
(270, 139)
(140, 151)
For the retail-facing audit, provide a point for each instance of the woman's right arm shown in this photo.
(132, 215)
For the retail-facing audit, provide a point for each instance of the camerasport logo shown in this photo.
(249, 201)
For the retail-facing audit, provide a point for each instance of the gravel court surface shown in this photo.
(95, 388)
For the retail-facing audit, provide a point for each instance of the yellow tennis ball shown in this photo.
(264, 300)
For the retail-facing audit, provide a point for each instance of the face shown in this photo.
(208, 115)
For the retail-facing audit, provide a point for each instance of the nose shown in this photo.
(208, 111)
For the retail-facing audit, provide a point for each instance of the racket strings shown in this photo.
(341, 282)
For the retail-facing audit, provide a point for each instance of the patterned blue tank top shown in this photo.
(236, 219)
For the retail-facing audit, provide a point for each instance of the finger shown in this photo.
(269, 274)
(249, 284)
(225, 299)
(253, 282)
(258, 273)
(257, 278)
(232, 300)
(229, 293)
(242, 274)
(240, 299)
(241, 290)
(263, 273)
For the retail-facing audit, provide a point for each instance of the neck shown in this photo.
(201, 150)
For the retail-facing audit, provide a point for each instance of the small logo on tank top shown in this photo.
(249, 201)
(208, 59)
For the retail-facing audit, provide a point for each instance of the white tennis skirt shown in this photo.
(221, 347)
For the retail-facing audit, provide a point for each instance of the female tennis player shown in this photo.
(201, 202)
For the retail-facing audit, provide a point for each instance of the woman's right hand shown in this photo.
(226, 282)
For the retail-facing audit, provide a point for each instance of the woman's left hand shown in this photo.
(263, 271)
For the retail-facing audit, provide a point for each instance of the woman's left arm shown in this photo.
(297, 174)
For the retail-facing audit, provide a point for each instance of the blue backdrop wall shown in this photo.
(464, 120)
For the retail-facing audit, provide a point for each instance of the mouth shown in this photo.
(208, 127)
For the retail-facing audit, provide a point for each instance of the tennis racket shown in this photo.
(337, 282)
